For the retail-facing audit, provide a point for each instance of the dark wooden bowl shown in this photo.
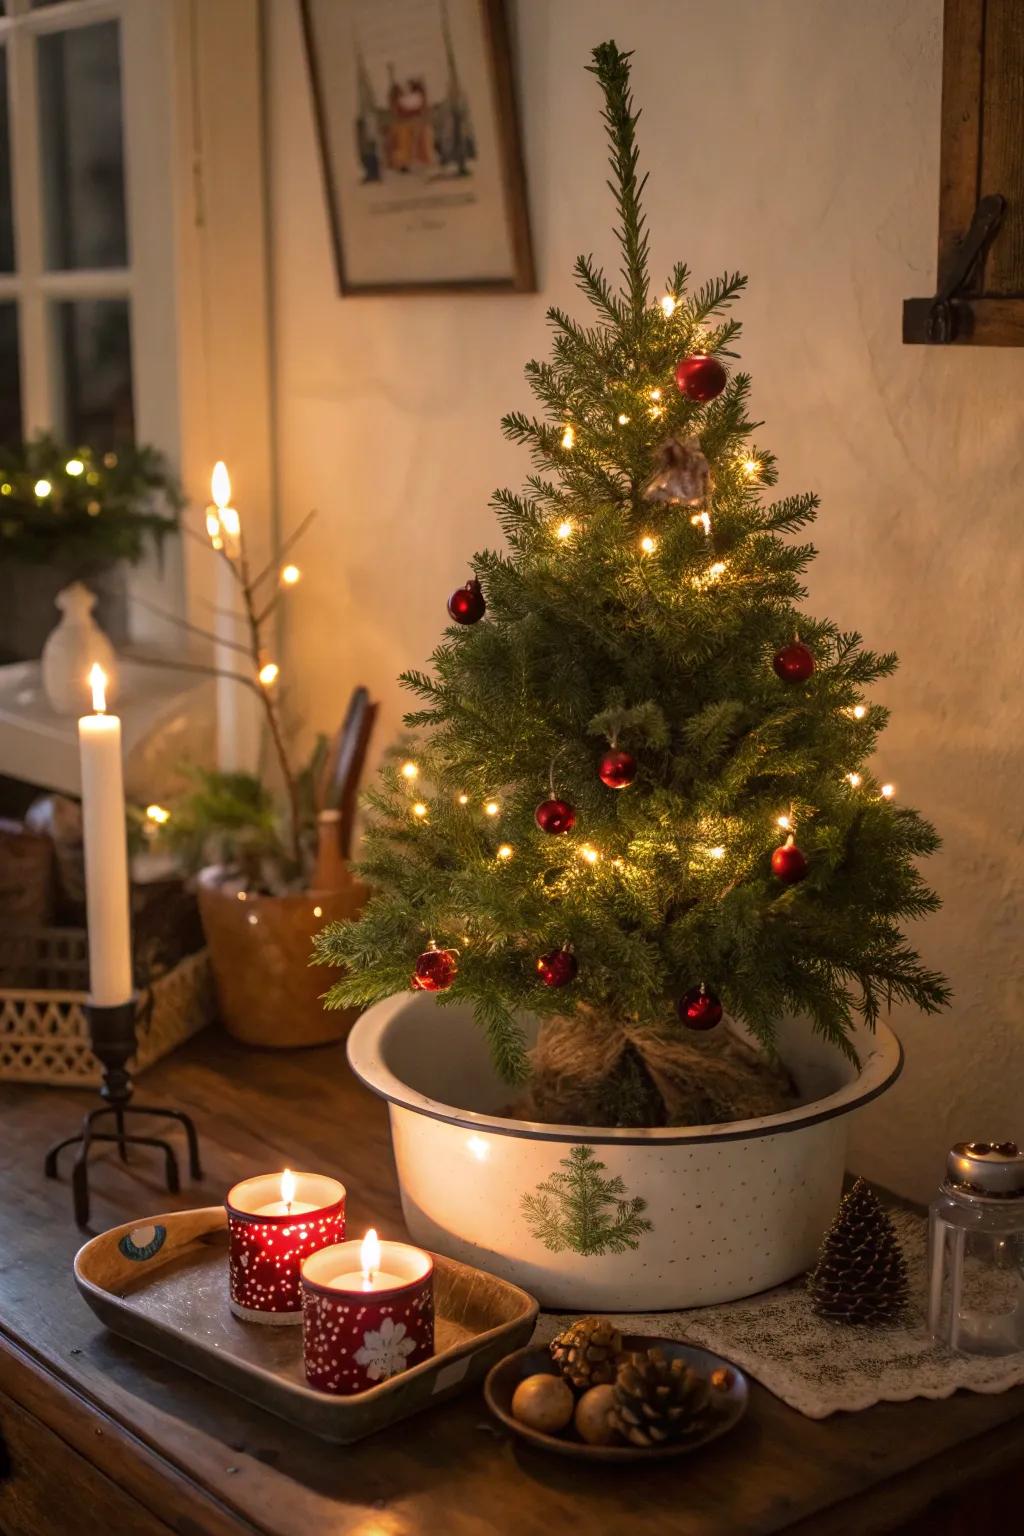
(729, 1402)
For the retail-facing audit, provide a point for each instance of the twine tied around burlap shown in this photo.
(589, 1069)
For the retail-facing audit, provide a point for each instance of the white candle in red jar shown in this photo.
(369, 1313)
(274, 1222)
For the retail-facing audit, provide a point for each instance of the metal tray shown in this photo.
(164, 1285)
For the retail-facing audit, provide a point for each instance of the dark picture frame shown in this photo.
(423, 172)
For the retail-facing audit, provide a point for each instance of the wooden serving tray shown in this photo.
(164, 1285)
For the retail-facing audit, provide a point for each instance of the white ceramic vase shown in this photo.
(726, 1210)
(71, 650)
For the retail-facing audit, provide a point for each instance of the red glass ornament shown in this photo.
(557, 968)
(699, 1008)
(435, 971)
(466, 604)
(700, 377)
(794, 663)
(555, 816)
(617, 769)
(789, 863)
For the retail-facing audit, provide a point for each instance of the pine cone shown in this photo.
(587, 1352)
(860, 1276)
(657, 1400)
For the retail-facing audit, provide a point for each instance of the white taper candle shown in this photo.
(106, 852)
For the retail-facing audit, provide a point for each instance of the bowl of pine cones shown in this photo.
(600, 1395)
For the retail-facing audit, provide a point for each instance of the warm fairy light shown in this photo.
(668, 304)
(751, 467)
(505, 851)
(784, 822)
(718, 569)
(563, 531)
(887, 791)
(98, 684)
(7, 489)
(318, 911)
(622, 419)
(269, 673)
(242, 895)
(220, 485)
(491, 808)
(569, 438)
(369, 1255)
(419, 809)
(158, 814)
(74, 467)
(648, 545)
(591, 855)
(290, 574)
(462, 799)
(655, 394)
(854, 780)
(859, 711)
(619, 864)
(410, 771)
(716, 853)
(42, 488)
(702, 520)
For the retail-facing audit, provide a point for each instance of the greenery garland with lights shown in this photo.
(83, 509)
(639, 755)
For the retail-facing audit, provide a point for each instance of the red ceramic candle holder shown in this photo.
(268, 1241)
(353, 1338)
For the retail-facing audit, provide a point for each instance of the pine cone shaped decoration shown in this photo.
(587, 1352)
(657, 1400)
(860, 1276)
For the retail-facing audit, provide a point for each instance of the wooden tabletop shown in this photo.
(894, 1467)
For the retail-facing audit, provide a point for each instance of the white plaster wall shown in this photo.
(798, 141)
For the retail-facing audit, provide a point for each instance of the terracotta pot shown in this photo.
(267, 992)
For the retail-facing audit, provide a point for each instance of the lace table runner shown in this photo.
(820, 1367)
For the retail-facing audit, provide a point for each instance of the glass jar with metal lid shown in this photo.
(976, 1250)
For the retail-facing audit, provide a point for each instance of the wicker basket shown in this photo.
(44, 1037)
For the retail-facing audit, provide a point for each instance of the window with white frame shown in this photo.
(87, 340)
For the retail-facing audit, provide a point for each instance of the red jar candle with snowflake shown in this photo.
(274, 1222)
(368, 1313)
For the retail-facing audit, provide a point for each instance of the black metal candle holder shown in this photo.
(112, 1037)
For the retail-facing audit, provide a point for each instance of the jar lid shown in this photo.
(991, 1168)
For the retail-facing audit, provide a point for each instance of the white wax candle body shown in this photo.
(238, 719)
(358, 1280)
(106, 860)
(280, 1208)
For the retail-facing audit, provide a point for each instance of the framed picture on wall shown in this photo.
(422, 163)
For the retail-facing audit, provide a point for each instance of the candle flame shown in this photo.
(287, 1187)
(369, 1254)
(220, 485)
(98, 684)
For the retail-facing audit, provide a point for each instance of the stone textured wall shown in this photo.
(798, 141)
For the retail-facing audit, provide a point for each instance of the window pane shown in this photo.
(6, 216)
(10, 376)
(93, 345)
(82, 156)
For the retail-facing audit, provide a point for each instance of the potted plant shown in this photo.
(639, 897)
(76, 514)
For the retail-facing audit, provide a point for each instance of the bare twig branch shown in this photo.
(191, 666)
(192, 629)
(289, 543)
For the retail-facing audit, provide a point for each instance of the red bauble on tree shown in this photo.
(794, 663)
(617, 769)
(557, 968)
(789, 863)
(699, 1008)
(466, 604)
(700, 378)
(436, 969)
(555, 816)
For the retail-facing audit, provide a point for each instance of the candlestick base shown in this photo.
(112, 1037)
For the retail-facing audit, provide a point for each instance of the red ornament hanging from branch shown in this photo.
(699, 1008)
(466, 604)
(700, 378)
(789, 863)
(617, 769)
(555, 816)
(435, 970)
(558, 967)
(794, 663)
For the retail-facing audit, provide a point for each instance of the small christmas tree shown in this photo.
(643, 795)
(861, 1276)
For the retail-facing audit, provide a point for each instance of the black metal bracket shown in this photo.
(112, 1037)
(948, 317)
